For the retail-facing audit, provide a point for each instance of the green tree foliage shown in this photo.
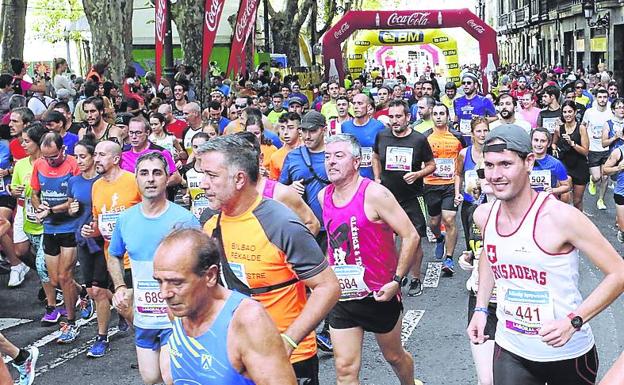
(51, 16)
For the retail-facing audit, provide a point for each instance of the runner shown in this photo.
(572, 148)
(471, 104)
(398, 159)
(425, 106)
(278, 108)
(138, 232)
(20, 119)
(614, 166)
(595, 119)
(329, 109)
(55, 121)
(180, 91)
(342, 108)
(615, 374)
(216, 319)
(613, 131)
(289, 133)
(192, 115)
(277, 240)
(550, 117)
(173, 125)
(194, 196)
(439, 188)
(361, 218)
(93, 107)
(49, 182)
(365, 129)
(24, 360)
(507, 106)
(539, 305)
(255, 126)
(527, 110)
(161, 137)
(548, 173)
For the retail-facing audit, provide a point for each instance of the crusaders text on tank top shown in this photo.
(533, 286)
(204, 359)
(361, 252)
(269, 188)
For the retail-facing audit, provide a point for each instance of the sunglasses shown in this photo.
(241, 106)
(467, 83)
(579, 87)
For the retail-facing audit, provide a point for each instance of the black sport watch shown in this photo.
(576, 321)
(402, 281)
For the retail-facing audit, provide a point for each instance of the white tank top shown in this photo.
(533, 286)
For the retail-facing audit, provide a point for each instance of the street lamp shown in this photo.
(603, 21)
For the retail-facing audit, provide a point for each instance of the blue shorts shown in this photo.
(151, 338)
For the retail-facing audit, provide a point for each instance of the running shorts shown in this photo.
(52, 243)
(439, 198)
(152, 339)
(366, 313)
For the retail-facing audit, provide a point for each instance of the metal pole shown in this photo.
(169, 70)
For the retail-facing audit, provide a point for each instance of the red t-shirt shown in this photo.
(176, 128)
(17, 151)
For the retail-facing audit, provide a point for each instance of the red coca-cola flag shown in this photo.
(212, 15)
(160, 31)
(244, 22)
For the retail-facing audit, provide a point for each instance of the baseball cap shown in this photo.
(63, 94)
(123, 118)
(514, 138)
(571, 77)
(53, 116)
(312, 120)
(450, 86)
(471, 76)
(295, 100)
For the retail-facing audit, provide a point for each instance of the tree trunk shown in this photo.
(285, 27)
(188, 16)
(110, 22)
(13, 30)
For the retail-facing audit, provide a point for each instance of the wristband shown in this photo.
(120, 286)
(290, 341)
(482, 310)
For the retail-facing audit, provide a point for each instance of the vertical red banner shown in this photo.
(212, 16)
(160, 31)
(245, 22)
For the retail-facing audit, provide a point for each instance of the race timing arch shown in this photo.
(415, 19)
(365, 40)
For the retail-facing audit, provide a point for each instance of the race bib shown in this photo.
(399, 159)
(239, 271)
(525, 311)
(106, 224)
(596, 131)
(29, 210)
(464, 126)
(551, 124)
(471, 180)
(148, 300)
(445, 168)
(198, 207)
(2, 185)
(351, 280)
(540, 179)
(367, 157)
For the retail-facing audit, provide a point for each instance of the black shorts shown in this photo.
(439, 198)
(490, 325)
(597, 158)
(307, 371)
(511, 369)
(8, 202)
(52, 243)
(414, 212)
(618, 199)
(370, 315)
(93, 267)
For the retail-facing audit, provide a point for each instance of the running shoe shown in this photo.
(99, 348)
(591, 188)
(323, 341)
(415, 288)
(51, 318)
(87, 307)
(69, 333)
(60, 300)
(449, 267)
(27, 369)
(601, 205)
(17, 275)
(620, 236)
(439, 249)
(122, 325)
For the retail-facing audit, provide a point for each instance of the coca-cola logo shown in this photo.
(343, 28)
(415, 19)
(212, 15)
(248, 12)
(478, 28)
(160, 20)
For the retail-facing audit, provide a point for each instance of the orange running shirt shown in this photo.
(277, 161)
(268, 245)
(445, 147)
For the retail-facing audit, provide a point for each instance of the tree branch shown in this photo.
(302, 15)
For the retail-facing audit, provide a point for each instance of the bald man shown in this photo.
(173, 125)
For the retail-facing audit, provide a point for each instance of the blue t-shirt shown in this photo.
(223, 122)
(557, 170)
(70, 140)
(466, 108)
(5, 163)
(294, 169)
(274, 138)
(80, 189)
(366, 135)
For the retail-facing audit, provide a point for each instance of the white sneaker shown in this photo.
(17, 275)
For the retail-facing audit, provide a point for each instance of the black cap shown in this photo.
(53, 116)
(312, 120)
(295, 100)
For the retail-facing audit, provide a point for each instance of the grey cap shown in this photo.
(312, 120)
(295, 100)
(63, 94)
(515, 138)
(471, 76)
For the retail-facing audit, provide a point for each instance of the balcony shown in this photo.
(503, 22)
(521, 16)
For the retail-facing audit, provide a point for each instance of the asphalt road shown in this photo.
(434, 331)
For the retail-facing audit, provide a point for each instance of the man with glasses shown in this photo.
(581, 98)
(138, 131)
(49, 182)
(192, 115)
(471, 104)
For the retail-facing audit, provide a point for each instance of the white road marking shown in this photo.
(432, 276)
(6, 323)
(411, 318)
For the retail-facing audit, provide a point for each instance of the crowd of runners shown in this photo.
(314, 201)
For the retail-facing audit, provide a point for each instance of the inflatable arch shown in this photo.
(421, 19)
(365, 40)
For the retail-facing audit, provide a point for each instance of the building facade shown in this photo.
(559, 32)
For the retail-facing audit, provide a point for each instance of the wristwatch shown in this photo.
(576, 321)
(402, 281)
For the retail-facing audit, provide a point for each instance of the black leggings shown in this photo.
(511, 369)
